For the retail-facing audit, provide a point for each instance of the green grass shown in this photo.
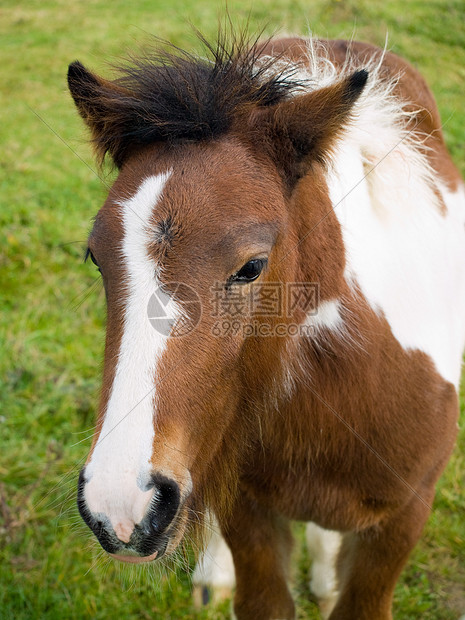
(52, 320)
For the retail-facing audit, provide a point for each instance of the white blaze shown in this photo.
(119, 470)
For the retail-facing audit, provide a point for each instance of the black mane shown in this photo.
(172, 96)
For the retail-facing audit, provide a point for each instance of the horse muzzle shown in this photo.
(157, 531)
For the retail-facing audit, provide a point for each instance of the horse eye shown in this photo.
(250, 271)
(92, 258)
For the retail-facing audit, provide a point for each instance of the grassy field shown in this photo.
(52, 319)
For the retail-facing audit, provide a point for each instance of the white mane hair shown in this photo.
(381, 126)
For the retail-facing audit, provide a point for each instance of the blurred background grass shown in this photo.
(52, 319)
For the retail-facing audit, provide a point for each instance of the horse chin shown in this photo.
(177, 533)
(133, 559)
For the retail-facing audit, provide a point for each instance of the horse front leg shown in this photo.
(371, 561)
(261, 543)
(214, 579)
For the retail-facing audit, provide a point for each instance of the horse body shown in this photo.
(322, 178)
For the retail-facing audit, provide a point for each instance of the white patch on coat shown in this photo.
(405, 255)
(327, 316)
(323, 546)
(215, 568)
(118, 473)
(408, 259)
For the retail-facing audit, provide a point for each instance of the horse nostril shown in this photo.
(164, 505)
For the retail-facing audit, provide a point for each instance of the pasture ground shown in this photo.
(52, 319)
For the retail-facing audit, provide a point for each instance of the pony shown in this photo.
(283, 257)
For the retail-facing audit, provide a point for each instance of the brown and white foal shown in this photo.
(296, 165)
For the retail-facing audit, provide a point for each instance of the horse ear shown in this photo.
(98, 102)
(302, 130)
